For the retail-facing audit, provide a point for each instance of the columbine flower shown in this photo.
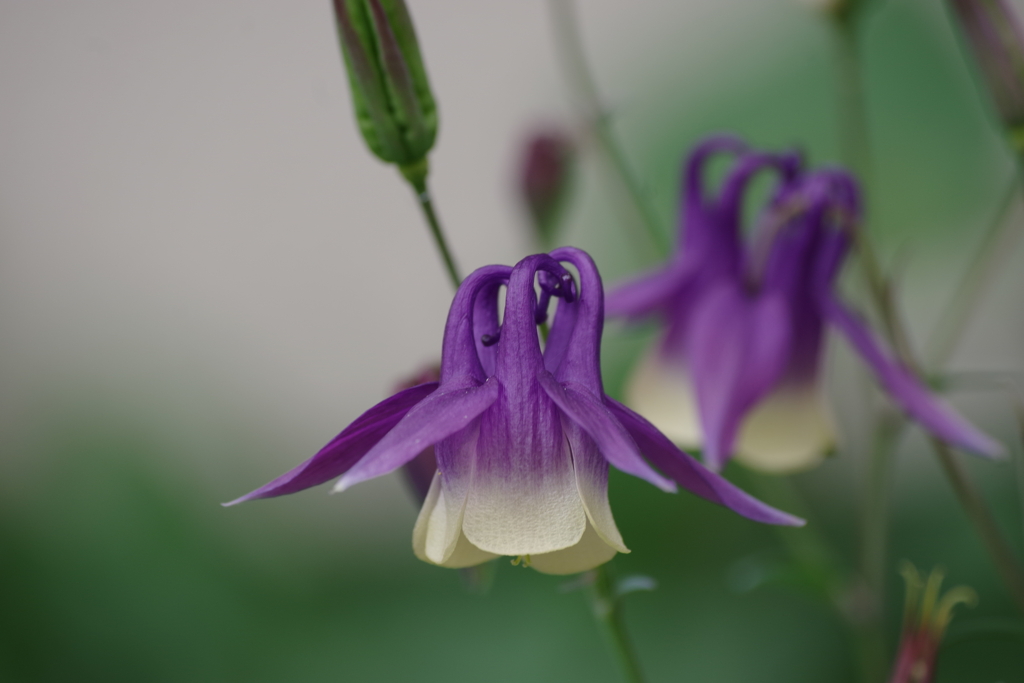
(738, 366)
(523, 438)
(925, 618)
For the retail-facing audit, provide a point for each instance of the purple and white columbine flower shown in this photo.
(737, 369)
(523, 437)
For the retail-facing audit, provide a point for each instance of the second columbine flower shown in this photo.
(737, 368)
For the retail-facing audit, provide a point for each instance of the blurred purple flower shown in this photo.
(926, 616)
(523, 438)
(745, 319)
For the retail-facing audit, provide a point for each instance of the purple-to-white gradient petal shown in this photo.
(693, 476)
(344, 450)
(523, 498)
(611, 437)
(592, 482)
(438, 416)
(739, 347)
(906, 389)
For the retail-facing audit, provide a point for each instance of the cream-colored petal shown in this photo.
(420, 530)
(592, 483)
(590, 552)
(789, 430)
(436, 540)
(465, 554)
(660, 390)
(528, 515)
(439, 524)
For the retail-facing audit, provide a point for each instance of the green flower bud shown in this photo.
(394, 107)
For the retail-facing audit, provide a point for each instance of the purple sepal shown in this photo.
(612, 439)
(346, 448)
(647, 294)
(693, 476)
(436, 417)
(739, 348)
(903, 386)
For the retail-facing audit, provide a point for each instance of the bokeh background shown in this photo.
(204, 276)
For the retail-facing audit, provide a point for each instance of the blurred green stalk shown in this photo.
(426, 203)
(607, 609)
(587, 101)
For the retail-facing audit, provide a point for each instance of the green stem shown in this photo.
(607, 609)
(874, 532)
(984, 524)
(873, 547)
(426, 202)
(852, 112)
(590, 107)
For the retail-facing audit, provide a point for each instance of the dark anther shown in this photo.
(561, 286)
(490, 339)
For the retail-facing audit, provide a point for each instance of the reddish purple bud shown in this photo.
(544, 175)
(995, 38)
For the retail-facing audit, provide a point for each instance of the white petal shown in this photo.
(590, 552)
(790, 430)
(437, 537)
(660, 390)
(466, 554)
(592, 482)
(420, 531)
(526, 513)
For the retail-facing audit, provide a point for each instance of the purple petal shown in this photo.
(560, 334)
(459, 357)
(614, 442)
(691, 475)
(346, 448)
(694, 193)
(518, 355)
(648, 293)
(523, 498)
(581, 362)
(739, 349)
(906, 389)
(486, 323)
(436, 417)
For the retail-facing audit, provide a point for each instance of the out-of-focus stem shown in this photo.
(1006, 564)
(852, 112)
(426, 203)
(607, 609)
(874, 546)
(587, 101)
(995, 246)
(874, 536)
